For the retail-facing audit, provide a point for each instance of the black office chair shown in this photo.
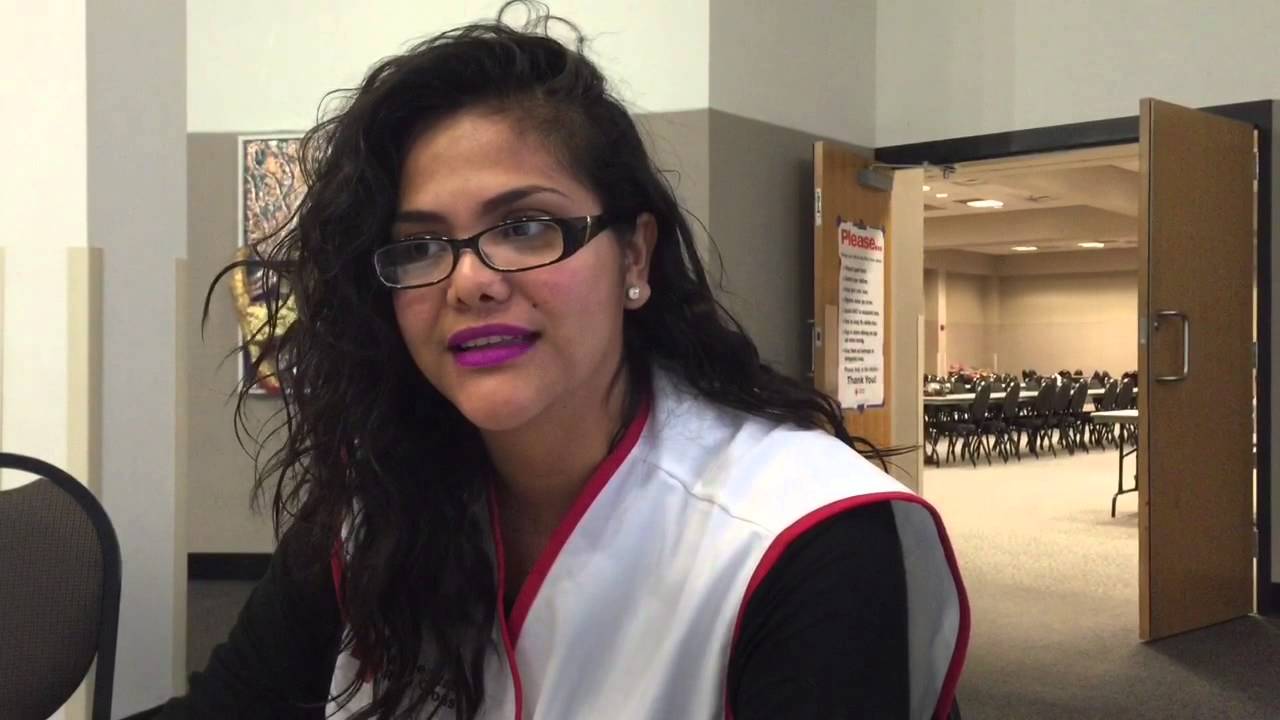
(59, 594)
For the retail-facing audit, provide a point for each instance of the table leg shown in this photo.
(1120, 488)
(1119, 484)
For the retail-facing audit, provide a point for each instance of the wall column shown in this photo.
(137, 209)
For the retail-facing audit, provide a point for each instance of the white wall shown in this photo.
(806, 66)
(45, 195)
(266, 65)
(45, 191)
(948, 70)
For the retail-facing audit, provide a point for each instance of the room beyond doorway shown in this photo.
(1047, 278)
(1031, 271)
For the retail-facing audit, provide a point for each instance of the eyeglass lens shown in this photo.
(510, 247)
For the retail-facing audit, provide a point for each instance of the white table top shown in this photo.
(1116, 417)
(967, 398)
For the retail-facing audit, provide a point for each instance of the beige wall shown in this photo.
(680, 143)
(219, 474)
(970, 317)
(1025, 315)
(761, 178)
(1055, 322)
(931, 280)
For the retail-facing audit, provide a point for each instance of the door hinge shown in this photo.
(815, 341)
(817, 207)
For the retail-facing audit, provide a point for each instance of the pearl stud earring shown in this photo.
(633, 293)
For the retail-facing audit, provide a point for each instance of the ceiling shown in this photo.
(1052, 201)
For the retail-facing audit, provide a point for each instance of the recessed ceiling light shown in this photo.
(1024, 248)
(994, 204)
(941, 195)
(926, 188)
(1091, 245)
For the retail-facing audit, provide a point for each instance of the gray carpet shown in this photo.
(1053, 583)
(212, 606)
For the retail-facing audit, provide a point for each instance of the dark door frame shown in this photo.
(1123, 131)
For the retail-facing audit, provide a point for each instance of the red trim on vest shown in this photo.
(595, 484)
(507, 643)
(947, 695)
(337, 564)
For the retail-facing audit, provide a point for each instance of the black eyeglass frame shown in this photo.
(575, 233)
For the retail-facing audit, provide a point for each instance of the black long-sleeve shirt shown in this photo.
(823, 636)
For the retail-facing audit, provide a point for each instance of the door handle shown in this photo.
(1186, 344)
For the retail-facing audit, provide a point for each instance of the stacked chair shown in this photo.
(1076, 419)
(1001, 427)
(1098, 434)
(1057, 418)
(1036, 423)
(965, 429)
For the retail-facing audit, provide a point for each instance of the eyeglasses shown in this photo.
(513, 246)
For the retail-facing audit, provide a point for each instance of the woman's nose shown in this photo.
(474, 284)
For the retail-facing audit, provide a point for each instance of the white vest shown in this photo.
(631, 611)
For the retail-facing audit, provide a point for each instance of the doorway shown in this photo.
(1109, 656)
(1104, 137)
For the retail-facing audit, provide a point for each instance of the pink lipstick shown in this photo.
(486, 346)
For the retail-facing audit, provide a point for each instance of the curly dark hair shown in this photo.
(368, 446)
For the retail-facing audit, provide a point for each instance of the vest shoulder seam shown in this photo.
(706, 500)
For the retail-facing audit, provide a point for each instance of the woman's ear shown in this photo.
(637, 252)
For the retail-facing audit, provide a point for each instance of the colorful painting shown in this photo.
(271, 187)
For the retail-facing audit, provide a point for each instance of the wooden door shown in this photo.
(841, 198)
(1195, 308)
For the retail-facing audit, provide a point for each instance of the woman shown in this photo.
(531, 468)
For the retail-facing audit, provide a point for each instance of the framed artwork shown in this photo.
(271, 188)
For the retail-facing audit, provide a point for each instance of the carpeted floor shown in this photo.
(212, 607)
(1053, 583)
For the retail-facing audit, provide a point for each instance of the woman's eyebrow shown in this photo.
(501, 201)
